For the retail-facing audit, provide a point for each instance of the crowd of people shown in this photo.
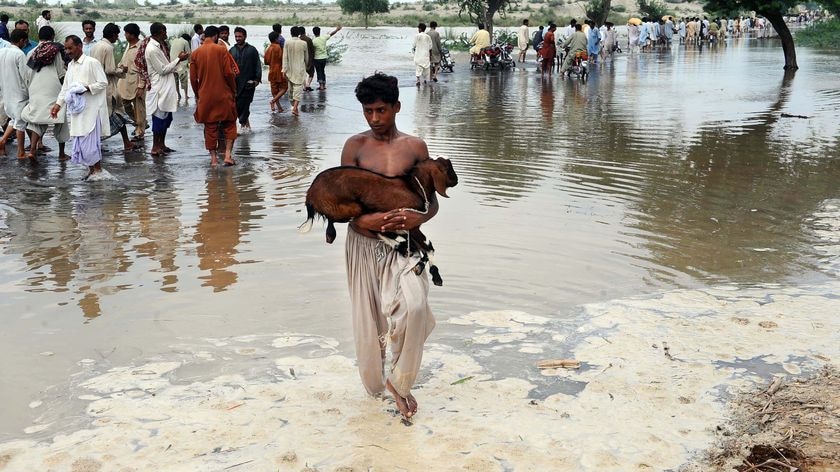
(79, 89)
(556, 46)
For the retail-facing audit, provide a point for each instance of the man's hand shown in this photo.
(183, 55)
(54, 110)
(140, 92)
(394, 220)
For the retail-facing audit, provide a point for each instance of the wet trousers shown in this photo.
(384, 290)
(136, 109)
(243, 104)
(211, 133)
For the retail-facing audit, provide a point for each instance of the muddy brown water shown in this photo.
(663, 171)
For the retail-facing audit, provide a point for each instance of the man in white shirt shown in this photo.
(162, 99)
(90, 123)
(89, 28)
(522, 40)
(13, 87)
(422, 54)
(44, 19)
(197, 38)
(103, 51)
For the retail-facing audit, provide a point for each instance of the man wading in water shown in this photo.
(382, 284)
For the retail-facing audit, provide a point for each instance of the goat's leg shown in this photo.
(421, 244)
(330, 232)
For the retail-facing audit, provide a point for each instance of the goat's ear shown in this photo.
(439, 178)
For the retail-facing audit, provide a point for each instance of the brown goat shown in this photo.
(343, 193)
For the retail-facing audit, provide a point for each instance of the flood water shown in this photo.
(664, 171)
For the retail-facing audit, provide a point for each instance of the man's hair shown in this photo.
(302, 30)
(573, 22)
(295, 31)
(433, 24)
(541, 27)
(378, 86)
(272, 37)
(132, 29)
(88, 22)
(224, 28)
(525, 21)
(197, 28)
(46, 33)
(277, 28)
(156, 28)
(316, 30)
(17, 36)
(421, 27)
(45, 13)
(110, 31)
(481, 26)
(4, 18)
(74, 39)
(578, 27)
(240, 29)
(186, 37)
(211, 31)
(21, 22)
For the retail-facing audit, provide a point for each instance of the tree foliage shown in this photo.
(652, 9)
(365, 7)
(483, 10)
(598, 10)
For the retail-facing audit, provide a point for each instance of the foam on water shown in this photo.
(638, 407)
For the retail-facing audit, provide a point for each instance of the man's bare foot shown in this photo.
(32, 157)
(412, 404)
(402, 404)
(128, 146)
(63, 157)
(271, 103)
(22, 155)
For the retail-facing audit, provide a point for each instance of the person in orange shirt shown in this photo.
(273, 58)
(213, 77)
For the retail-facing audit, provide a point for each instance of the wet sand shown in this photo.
(155, 309)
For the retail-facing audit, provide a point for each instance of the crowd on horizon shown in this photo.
(80, 90)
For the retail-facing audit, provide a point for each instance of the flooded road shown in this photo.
(664, 172)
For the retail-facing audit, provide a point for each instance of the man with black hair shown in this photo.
(4, 27)
(422, 54)
(131, 87)
(103, 51)
(294, 67)
(278, 28)
(321, 55)
(273, 56)
(13, 87)
(23, 25)
(382, 288)
(437, 47)
(44, 73)
(213, 77)
(310, 58)
(89, 28)
(250, 75)
(89, 122)
(197, 37)
(162, 97)
(224, 36)
(182, 74)
(44, 19)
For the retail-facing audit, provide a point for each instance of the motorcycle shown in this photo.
(494, 55)
(579, 66)
(446, 62)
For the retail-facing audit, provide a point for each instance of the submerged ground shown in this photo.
(665, 223)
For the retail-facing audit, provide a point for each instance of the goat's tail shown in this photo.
(310, 217)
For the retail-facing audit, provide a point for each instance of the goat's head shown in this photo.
(441, 173)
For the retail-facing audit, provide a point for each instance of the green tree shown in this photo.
(774, 11)
(598, 10)
(365, 7)
(483, 10)
(652, 9)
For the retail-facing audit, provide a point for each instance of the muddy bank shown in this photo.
(650, 393)
(790, 424)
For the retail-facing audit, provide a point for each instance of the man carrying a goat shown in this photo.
(383, 285)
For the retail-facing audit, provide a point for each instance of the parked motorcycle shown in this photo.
(446, 62)
(493, 56)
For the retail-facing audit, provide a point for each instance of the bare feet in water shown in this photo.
(407, 406)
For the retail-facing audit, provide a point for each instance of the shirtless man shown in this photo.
(380, 278)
